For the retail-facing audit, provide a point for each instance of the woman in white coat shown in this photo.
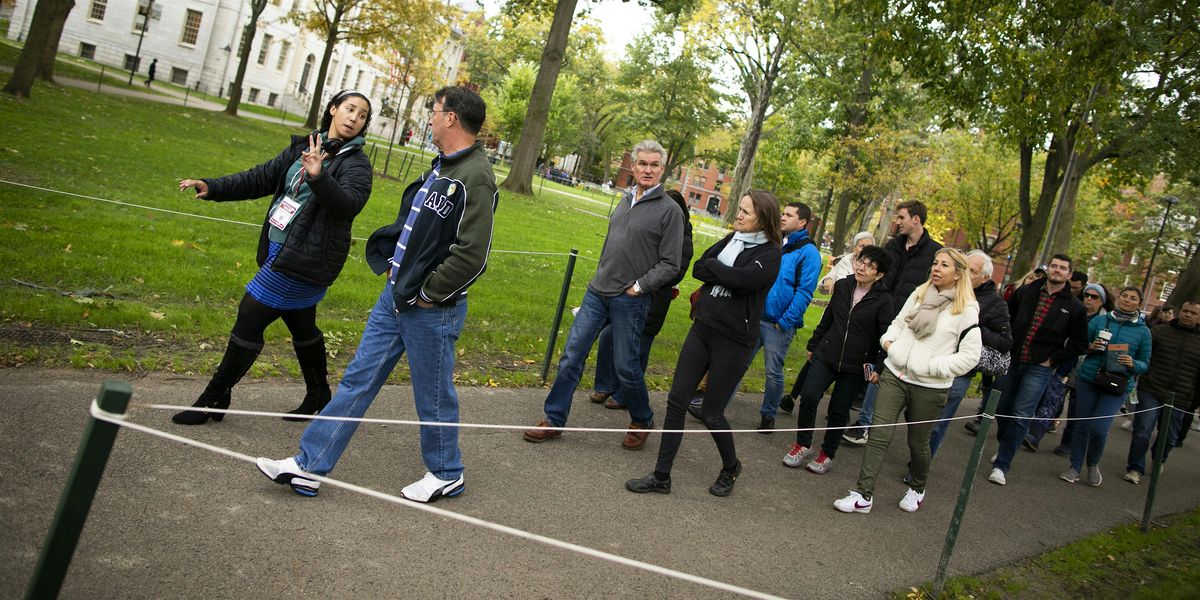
(933, 339)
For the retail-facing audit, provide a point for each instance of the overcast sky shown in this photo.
(620, 21)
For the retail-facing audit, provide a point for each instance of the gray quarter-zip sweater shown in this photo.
(643, 245)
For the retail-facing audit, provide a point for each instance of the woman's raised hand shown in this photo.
(201, 187)
(311, 158)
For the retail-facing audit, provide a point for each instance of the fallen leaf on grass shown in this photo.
(83, 300)
(157, 315)
(492, 383)
(76, 342)
(67, 249)
(177, 243)
(205, 346)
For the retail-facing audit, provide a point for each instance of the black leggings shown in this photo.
(253, 317)
(725, 361)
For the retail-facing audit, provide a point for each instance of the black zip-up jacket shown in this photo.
(318, 239)
(910, 266)
(1062, 336)
(737, 312)
(994, 327)
(660, 299)
(1174, 364)
(449, 244)
(848, 336)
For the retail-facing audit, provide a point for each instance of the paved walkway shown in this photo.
(173, 521)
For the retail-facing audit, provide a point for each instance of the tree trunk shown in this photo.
(50, 53)
(314, 109)
(524, 160)
(1033, 222)
(819, 234)
(41, 40)
(743, 172)
(1187, 287)
(248, 33)
(842, 218)
(1066, 219)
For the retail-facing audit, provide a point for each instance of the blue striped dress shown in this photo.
(280, 291)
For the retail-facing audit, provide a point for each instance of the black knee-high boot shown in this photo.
(239, 356)
(311, 355)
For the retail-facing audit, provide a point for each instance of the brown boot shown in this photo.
(636, 437)
(538, 436)
(598, 397)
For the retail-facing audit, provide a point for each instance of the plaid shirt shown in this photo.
(1039, 317)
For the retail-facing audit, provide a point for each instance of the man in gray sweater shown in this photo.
(641, 253)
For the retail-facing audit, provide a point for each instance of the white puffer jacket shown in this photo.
(935, 361)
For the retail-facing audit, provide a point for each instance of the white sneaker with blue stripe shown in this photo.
(287, 472)
(430, 488)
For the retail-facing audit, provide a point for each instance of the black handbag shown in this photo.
(1112, 383)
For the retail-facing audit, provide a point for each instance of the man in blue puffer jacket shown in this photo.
(786, 303)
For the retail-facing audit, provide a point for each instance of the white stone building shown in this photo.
(196, 41)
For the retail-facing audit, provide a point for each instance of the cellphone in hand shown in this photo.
(868, 371)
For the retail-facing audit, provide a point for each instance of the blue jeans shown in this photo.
(958, 390)
(606, 374)
(1092, 435)
(430, 333)
(1144, 424)
(627, 316)
(775, 343)
(868, 407)
(1021, 388)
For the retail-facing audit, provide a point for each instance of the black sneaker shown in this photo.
(694, 410)
(766, 425)
(972, 427)
(856, 436)
(1029, 445)
(723, 486)
(649, 483)
(787, 404)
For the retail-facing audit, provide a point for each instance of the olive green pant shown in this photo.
(918, 404)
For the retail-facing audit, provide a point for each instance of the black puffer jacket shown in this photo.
(1062, 336)
(1174, 364)
(660, 299)
(736, 312)
(318, 240)
(910, 266)
(848, 336)
(993, 318)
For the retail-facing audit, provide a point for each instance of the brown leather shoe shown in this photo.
(598, 397)
(635, 439)
(538, 436)
(612, 404)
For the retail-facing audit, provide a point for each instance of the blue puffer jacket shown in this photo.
(1135, 333)
(793, 289)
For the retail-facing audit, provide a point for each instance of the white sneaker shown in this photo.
(430, 488)
(853, 503)
(997, 477)
(286, 471)
(912, 500)
(1127, 425)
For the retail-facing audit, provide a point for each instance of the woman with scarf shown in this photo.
(737, 272)
(319, 183)
(1120, 351)
(933, 339)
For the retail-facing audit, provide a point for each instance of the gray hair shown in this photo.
(860, 236)
(649, 147)
(987, 261)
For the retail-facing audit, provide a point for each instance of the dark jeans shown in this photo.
(1144, 424)
(606, 373)
(724, 360)
(846, 387)
(1092, 435)
(1022, 387)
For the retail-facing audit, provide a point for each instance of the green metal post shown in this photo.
(1160, 448)
(558, 313)
(964, 491)
(77, 496)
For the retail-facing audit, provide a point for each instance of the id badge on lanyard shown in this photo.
(288, 207)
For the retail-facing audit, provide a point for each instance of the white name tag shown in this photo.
(283, 214)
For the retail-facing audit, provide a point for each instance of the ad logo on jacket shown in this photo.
(441, 203)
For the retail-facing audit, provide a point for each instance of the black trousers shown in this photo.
(725, 361)
(253, 317)
(846, 387)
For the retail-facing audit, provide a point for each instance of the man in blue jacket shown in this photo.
(786, 303)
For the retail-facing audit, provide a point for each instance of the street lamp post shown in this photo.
(137, 55)
(1169, 201)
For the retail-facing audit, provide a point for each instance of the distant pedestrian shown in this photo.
(319, 184)
(150, 72)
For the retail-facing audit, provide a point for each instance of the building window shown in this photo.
(179, 76)
(358, 80)
(266, 48)
(284, 47)
(87, 50)
(329, 76)
(253, 94)
(272, 99)
(346, 77)
(191, 27)
(144, 14)
(98, 8)
(131, 62)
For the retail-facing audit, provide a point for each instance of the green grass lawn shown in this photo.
(167, 285)
(1123, 564)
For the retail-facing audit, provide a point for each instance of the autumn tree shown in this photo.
(248, 33)
(41, 45)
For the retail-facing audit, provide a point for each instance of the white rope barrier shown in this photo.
(262, 413)
(120, 420)
(229, 221)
